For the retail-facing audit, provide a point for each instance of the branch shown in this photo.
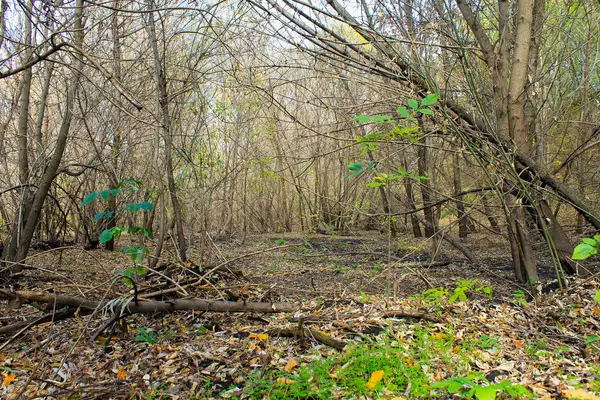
(58, 300)
(35, 60)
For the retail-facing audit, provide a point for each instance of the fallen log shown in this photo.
(133, 307)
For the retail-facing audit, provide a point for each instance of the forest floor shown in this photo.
(409, 328)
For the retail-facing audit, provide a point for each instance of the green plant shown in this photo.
(587, 248)
(137, 253)
(392, 130)
(470, 386)
(486, 342)
(519, 298)
(146, 335)
(464, 286)
(433, 295)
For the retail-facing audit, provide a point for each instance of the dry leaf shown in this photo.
(519, 344)
(259, 336)
(290, 365)
(596, 310)
(285, 381)
(374, 379)
(121, 374)
(8, 378)
(409, 362)
(579, 394)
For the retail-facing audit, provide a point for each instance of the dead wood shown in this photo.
(134, 307)
(316, 334)
(50, 317)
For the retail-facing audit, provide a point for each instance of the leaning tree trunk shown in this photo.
(49, 174)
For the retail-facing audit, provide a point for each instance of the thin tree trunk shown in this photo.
(116, 140)
(410, 196)
(463, 228)
(163, 101)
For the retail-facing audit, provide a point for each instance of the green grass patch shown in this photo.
(417, 362)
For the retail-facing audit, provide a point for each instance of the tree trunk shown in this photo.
(61, 141)
(163, 101)
(463, 228)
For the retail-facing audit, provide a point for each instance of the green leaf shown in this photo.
(133, 207)
(371, 165)
(373, 118)
(116, 232)
(592, 339)
(381, 118)
(355, 166)
(99, 215)
(413, 104)
(597, 238)
(105, 236)
(146, 206)
(89, 198)
(402, 171)
(374, 184)
(583, 251)
(147, 232)
(403, 111)
(589, 241)
(105, 194)
(430, 99)
(425, 111)
(485, 392)
(355, 174)
(597, 296)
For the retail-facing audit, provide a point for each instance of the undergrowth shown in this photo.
(417, 362)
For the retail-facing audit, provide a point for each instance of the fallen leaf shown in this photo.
(290, 365)
(579, 394)
(374, 379)
(121, 374)
(596, 310)
(8, 378)
(519, 344)
(409, 362)
(285, 381)
(259, 336)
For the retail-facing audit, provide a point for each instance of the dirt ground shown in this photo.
(204, 353)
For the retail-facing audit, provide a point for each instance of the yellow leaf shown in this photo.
(596, 310)
(285, 381)
(519, 344)
(408, 362)
(259, 336)
(8, 378)
(456, 349)
(579, 394)
(374, 379)
(290, 365)
(121, 374)
(439, 336)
